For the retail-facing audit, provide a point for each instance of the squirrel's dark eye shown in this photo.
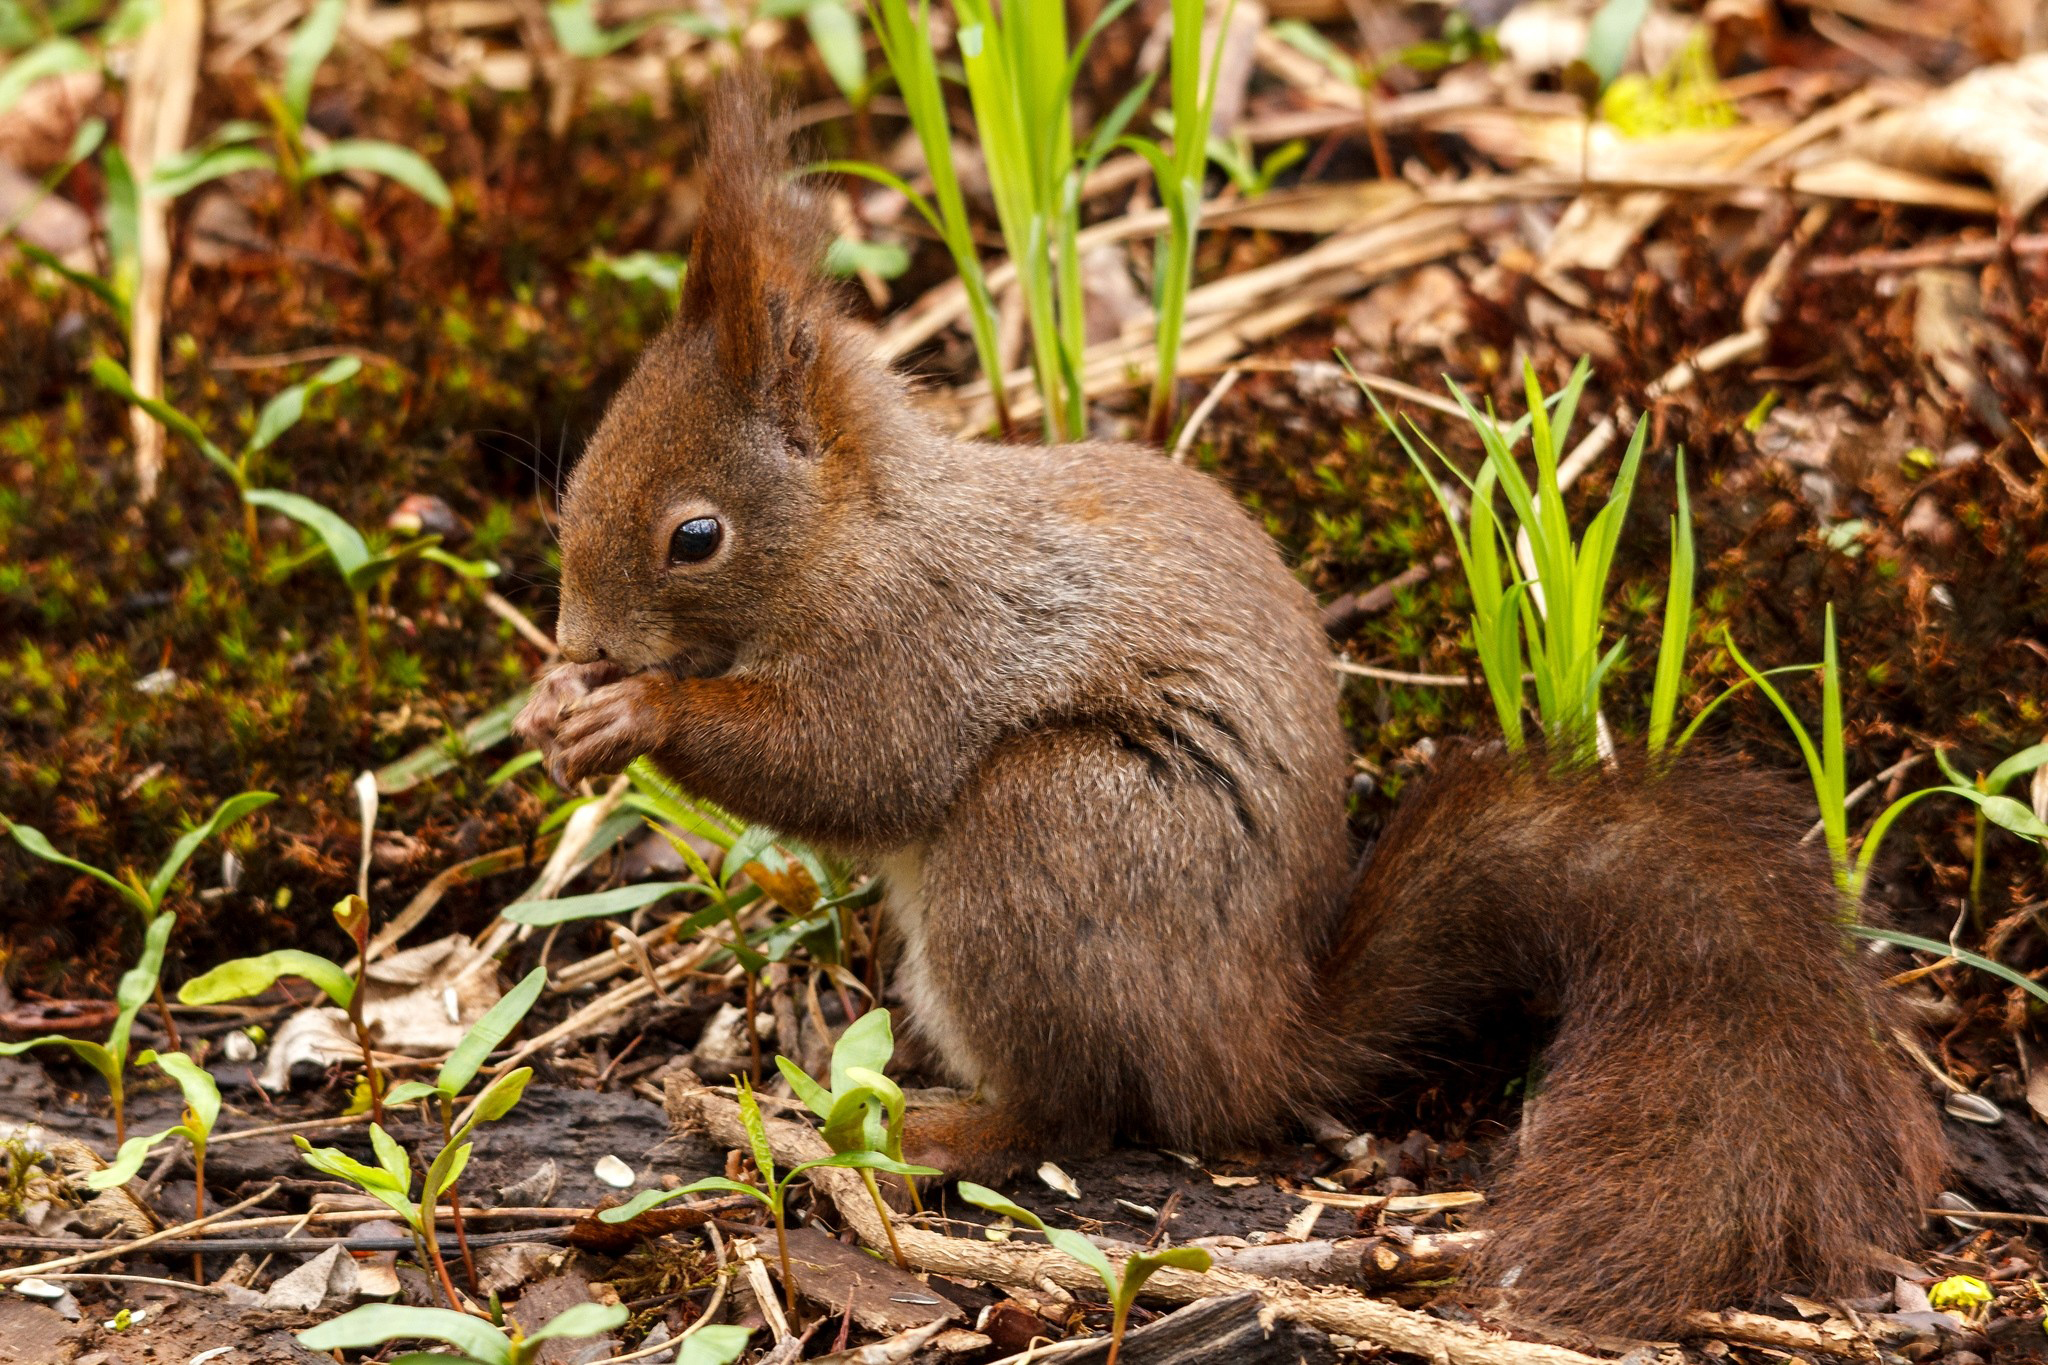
(695, 541)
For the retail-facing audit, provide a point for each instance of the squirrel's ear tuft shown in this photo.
(757, 245)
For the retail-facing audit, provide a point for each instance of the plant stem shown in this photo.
(198, 1206)
(355, 1019)
(1977, 873)
(739, 941)
(362, 604)
(118, 1093)
(782, 1250)
(1116, 1329)
(163, 1008)
(455, 1203)
(882, 1212)
(433, 1246)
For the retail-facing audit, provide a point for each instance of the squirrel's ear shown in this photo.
(754, 251)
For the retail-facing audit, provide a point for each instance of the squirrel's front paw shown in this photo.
(603, 729)
(558, 693)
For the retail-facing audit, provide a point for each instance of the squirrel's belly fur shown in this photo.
(1074, 708)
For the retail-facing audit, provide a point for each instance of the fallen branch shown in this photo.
(693, 1108)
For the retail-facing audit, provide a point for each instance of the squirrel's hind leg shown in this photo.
(1096, 945)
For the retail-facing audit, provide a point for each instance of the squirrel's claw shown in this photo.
(555, 697)
(601, 730)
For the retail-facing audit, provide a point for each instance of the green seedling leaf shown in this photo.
(397, 1163)
(861, 1161)
(310, 45)
(409, 1092)
(500, 1096)
(31, 838)
(578, 31)
(511, 768)
(1140, 1266)
(753, 841)
(757, 1131)
(491, 728)
(138, 984)
(836, 35)
(376, 1323)
(582, 1320)
(1963, 955)
(618, 901)
(479, 569)
(867, 1042)
(191, 169)
(815, 1097)
(53, 57)
(91, 1053)
(717, 1344)
(1611, 35)
(487, 1033)
(654, 1199)
(128, 1160)
(247, 976)
(1070, 1243)
(224, 815)
(850, 256)
(201, 1091)
(108, 374)
(283, 412)
(388, 159)
(351, 553)
(447, 1169)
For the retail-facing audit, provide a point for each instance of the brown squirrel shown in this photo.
(1075, 710)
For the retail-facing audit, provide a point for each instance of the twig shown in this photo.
(129, 1248)
(1193, 426)
(522, 623)
(695, 1108)
(1396, 675)
(161, 87)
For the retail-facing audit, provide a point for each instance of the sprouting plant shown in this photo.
(863, 1111)
(279, 416)
(361, 567)
(833, 27)
(795, 877)
(482, 1039)
(1020, 72)
(1990, 784)
(1252, 175)
(1551, 597)
(234, 146)
(1123, 1285)
(137, 985)
(147, 897)
(247, 976)
(773, 1191)
(1458, 43)
(202, 1110)
(475, 1340)
(1827, 764)
(390, 1181)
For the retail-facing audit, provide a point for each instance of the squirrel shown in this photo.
(1077, 713)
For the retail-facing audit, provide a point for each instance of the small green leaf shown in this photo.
(815, 1097)
(31, 838)
(128, 1160)
(836, 35)
(1610, 36)
(867, 1042)
(981, 1196)
(387, 159)
(512, 767)
(191, 169)
(618, 901)
(395, 1160)
(310, 45)
(487, 1033)
(53, 57)
(1139, 1266)
(714, 1344)
(447, 1168)
(376, 1323)
(408, 1092)
(653, 1199)
(501, 1095)
(224, 815)
(247, 976)
(201, 1091)
(344, 542)
(283, 412)
(582, 1320)
(757, 1131)
(108, 374)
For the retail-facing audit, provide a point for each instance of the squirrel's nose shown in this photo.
(578, 642)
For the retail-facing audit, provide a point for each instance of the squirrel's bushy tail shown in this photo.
(1716, 1116)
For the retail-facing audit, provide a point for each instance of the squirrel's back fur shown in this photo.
(1074, 707)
